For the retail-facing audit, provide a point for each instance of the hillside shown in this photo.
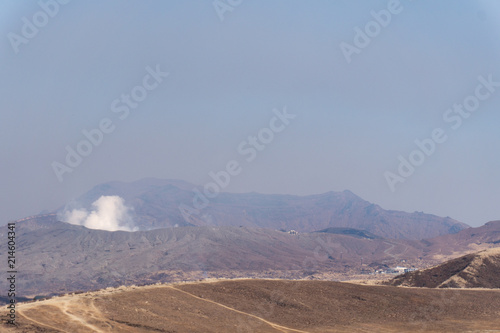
(156, 205)
(476, 270)
(465, 241)
(263, 306)
(56, 257)
(351, 232)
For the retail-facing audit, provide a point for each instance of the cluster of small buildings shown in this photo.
(396, 270)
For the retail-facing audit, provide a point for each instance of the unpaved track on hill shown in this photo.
(78, 315)
(263, 306)
(276, 326)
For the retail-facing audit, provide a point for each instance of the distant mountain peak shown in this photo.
(156, 204)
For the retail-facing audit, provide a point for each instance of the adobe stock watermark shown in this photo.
(223, 6)
(453, 116)
(31, 27)
(363, 37)
(95, 136)
(249, 149)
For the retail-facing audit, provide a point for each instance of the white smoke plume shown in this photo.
(108, 213)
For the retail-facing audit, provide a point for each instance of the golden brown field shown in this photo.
(264, 306)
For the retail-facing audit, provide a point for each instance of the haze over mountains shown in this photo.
(168, 203)
(339, 235)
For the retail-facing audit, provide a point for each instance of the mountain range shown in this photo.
(56, 257)
(335, 235)
(167, 203)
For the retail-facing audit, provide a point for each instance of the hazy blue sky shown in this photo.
(226, 77)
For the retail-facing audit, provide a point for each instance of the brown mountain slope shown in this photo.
(263, 306)
(56, 257)
(467, 240)
(156, 204)
(476, 270)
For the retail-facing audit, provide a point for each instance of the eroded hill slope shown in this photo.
(476, 270)
(263, 306)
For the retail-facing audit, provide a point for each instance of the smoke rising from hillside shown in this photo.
(108, 213)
